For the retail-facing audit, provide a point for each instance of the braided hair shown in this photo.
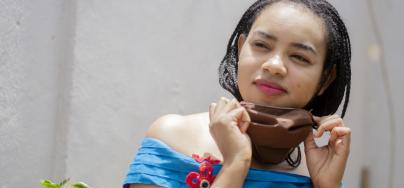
(338, 54)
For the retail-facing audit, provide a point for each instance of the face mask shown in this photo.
(275, 132)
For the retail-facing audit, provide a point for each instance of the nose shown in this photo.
(275, 66)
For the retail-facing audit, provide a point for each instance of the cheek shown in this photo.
(242, 75)
(304, 87)
(298, 86)
(247, 69)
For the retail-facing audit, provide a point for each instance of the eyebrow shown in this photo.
(265, 35)
(295, 44)
(304, 47)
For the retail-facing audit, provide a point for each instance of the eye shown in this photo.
(261, 45)
(300, 58)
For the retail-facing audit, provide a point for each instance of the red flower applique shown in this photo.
(205, 177)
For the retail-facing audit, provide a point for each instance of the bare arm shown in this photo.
(228, 126)
(232, 175)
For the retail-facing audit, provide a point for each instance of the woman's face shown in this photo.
(281, 60)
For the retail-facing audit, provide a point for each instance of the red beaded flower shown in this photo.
(205, 177)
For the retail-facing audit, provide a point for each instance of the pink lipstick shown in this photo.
(269, 88)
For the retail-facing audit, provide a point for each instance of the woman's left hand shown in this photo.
(326, 164)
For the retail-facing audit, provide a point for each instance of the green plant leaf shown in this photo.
(80, 185)
(49, 184)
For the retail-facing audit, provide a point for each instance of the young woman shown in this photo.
(285, 53)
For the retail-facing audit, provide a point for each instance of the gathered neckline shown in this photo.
(189, 158)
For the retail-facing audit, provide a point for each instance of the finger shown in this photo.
(232, 104)
(316, 123)
(245, 119)
(309, 142)
(246, 116)
(338, 132)
(342, 143)
(328, 126)
(323, 119)
(212, 107)
(221, 104)
(316, 119)
(237, 115)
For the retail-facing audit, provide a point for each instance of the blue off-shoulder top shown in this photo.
(158, 164)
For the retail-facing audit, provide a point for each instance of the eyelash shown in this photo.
(300, 58)
(261, 45)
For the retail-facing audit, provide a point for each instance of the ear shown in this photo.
(330, 78)
(240, 42)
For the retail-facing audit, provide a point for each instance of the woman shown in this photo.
(285, 53)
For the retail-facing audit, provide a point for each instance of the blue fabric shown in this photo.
(158, 164)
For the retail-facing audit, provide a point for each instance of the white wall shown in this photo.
(378, 130)
(80, 82)
(352, 16)
(33, 55)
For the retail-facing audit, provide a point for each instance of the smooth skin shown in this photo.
(286, 46)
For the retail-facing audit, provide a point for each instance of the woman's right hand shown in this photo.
(228, 125)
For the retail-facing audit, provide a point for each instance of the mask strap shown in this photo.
(315, 125)
(294, 163)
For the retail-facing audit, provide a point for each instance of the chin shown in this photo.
(264, 100)
(279, 101)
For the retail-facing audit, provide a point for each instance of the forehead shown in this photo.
(291, 21)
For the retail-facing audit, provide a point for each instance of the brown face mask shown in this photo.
(275, 132)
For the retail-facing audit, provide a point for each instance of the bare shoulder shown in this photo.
(173, 125)
(184, 133)
(174, 130)
(164, 125)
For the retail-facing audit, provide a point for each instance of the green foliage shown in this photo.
(50, 184)
(80, 185)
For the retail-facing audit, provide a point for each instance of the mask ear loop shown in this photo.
(315, 125)
(294, 163)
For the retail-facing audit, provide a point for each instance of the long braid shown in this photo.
(346, 55)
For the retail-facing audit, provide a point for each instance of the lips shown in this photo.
(269, 88)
